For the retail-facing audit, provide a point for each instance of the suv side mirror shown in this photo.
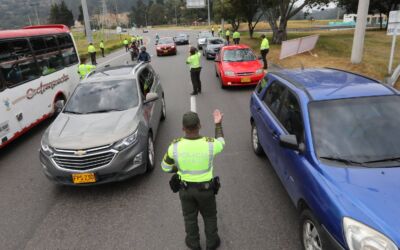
(289, 141)
(217, 58)
(150, 97)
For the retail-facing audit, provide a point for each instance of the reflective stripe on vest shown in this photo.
(195, 172)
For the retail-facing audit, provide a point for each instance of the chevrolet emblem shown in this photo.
(80, 152)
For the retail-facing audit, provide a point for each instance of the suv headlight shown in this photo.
(259, 71)
(362, 237)
(47, 150)
(126, 142)
(229, 73)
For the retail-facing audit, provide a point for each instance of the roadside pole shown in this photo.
(86, 18)
(359, 33)
(393, 30)
(209, 17)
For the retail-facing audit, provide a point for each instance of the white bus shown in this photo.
(38, 72)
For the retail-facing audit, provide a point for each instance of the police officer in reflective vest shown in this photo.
(126, 43)
(102, 47)
(236, 37)
(194, 60)
(227, 35)
(84, 69)
(191, 158)
(264, 49)
(92, 53)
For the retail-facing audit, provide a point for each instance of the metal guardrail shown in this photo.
(395, 76)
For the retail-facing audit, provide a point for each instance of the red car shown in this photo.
(237, 65)
(166, 46)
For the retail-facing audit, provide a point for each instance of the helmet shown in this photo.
(143, 48)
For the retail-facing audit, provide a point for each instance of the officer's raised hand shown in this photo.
(218, 116)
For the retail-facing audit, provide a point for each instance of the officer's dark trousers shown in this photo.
(194, 201)
(227, 39)
(236, 40)
(264, 53)
(195, 77)
(93, 58)
(102, 51)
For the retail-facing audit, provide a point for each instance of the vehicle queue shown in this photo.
(330, 135)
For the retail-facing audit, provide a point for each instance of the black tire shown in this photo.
(163, 109)
(308, 223)
(150, 153)
(258, 150)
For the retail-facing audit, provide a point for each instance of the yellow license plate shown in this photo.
(245, 79)
(83, 178)
(165, 51)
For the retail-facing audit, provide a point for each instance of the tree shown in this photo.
(250, 11)
(138, 14)
(375, 6)
(61, 14)
(156, 14)
(278, 13)
(228, 11)
(80, 16)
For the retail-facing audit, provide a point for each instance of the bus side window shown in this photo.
(47, 54)
(67, 48)
(17, 63)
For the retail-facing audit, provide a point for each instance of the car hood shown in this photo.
(201, 40)
(214, 46)
(71, 131)
(372, 196)
(237, 67)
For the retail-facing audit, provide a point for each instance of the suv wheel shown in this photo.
(255, 140)
(310, 232)
(150, 153)
(163, 109)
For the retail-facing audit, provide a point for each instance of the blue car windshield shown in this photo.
(361, 130)
(103, 97)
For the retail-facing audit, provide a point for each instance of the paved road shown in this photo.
(254, 210)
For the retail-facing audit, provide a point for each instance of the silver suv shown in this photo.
(107, 128)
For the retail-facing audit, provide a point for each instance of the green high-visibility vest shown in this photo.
(85, 69)
(126, 42)
(194, 61)
(236, 35)
(101, 45)
(133, 39)
(227, 33)
(193, 158)
(264, 44)
(91, 49)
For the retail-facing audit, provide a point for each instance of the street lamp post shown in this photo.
(86, 19)
(209, 17)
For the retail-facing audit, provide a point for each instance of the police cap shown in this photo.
(191, 120)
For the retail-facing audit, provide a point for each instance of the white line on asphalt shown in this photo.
(193, 106)
(112, 59)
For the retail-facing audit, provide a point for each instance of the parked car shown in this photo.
(145, 31)
(166, 46)
(202, 38)
(106, 130)
(237, 65)
(333, 139)
(181, 39)
(212, 47)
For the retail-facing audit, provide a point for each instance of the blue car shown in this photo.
(333, 138)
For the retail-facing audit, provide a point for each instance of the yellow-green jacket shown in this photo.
(91, 49)
(194, 61)
(85, 69)
(264, 44)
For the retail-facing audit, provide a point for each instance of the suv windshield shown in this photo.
(239, 55)
(215, 41)
(103, 97)
(360, 130)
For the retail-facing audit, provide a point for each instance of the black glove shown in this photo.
(175, 183)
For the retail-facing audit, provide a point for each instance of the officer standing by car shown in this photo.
(264, 49)
(92, 53)
(84, 69)
(102, 47)
(126, 44)
(194, 60)
(191, 157)
(212, 30)
(227, 35)
(236, 37)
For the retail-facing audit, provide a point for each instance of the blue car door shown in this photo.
(269, 126)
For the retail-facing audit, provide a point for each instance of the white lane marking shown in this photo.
(193, 106)
(112, 59)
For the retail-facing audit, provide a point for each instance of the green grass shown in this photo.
(111, 42)
(334, 50)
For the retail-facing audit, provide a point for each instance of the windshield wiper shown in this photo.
(385, 160)
(103, 111)
(342, 160)
(72, 112)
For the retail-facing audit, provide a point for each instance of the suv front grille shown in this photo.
(84, 159)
